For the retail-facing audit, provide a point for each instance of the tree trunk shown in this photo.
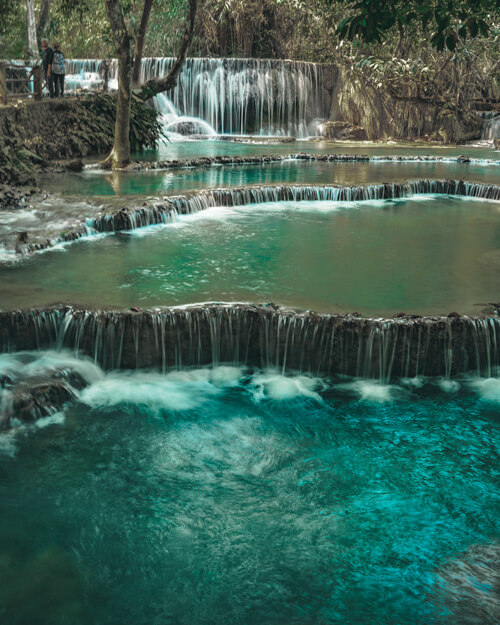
(136, 75)
(120, 154)
(124, 44)
(32, 47)
(158, 85)
(43, 19)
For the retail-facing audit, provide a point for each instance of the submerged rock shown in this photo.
(12, 197)
(467, 585)
(27, 399)
(75, 164)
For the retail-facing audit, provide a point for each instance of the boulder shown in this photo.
(342, 130)
(27, 399)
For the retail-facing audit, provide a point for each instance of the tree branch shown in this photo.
(43, 18)
(158, 85)
(141, 35)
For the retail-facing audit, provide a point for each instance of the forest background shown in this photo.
(415, 48)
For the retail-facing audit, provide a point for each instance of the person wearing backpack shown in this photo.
(47, 55)
(58, 70)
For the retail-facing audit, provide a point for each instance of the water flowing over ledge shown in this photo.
(259, 96)
(215, 161)
(169, 208)
(262, 336)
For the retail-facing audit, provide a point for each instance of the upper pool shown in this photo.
(256, 145)
(150, 182)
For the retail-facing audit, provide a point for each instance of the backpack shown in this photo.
(58, 62)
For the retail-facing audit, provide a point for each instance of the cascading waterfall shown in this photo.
(182, 125)
(262, 336)
(236, 96)
(169, 208)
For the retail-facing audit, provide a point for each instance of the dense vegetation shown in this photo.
(418, 48)
(412, 60)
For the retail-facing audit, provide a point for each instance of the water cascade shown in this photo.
(169, 208)
(180, 125)
(262, 336)
(236, 96)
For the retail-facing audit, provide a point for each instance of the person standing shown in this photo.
(58, 70)
(47, 56)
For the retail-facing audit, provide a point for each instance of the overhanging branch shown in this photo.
(159, 85)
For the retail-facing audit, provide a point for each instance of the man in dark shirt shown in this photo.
(47, 56)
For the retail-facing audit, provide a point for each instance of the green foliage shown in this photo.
(450, 21)
(12, 28)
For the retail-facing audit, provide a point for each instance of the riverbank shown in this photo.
(34, 135)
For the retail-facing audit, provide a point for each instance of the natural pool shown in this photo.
(427, 254)
(101, 183)
(232, 496)
(194, 149)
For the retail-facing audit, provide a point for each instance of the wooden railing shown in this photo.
(17, 82)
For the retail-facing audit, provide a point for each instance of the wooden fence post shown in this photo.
(37, 82)
(3, 83)
(105, 69)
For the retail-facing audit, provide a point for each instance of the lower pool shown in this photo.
(217, 496)
(426, 254)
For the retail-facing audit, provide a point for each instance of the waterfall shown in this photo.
(491, 127)
(175, 124)
(262, 336)
(170, 207)
(236, 96)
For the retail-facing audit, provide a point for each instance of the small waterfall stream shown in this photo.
(234, 96)
(491, 127)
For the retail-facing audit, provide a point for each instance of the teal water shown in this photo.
(91, 182)
(429, 255)
(228, 496)
(195, 149)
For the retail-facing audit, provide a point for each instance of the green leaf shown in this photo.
(451, 42)
(483, 28)
(473, 28)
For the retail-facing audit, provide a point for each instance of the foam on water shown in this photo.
(449, 386)
(57, 418)
(178, 390)
(372, 391)
(8, 443)
(35, 363)
(487, 388)
(279, 387)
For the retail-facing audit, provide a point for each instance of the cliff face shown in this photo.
(355, 100)
(36, 132)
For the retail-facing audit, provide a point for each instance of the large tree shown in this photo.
(32, 44)
(43, 23)
(123, 19)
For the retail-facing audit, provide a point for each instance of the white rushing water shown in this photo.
(491, 128)
(233, 96)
